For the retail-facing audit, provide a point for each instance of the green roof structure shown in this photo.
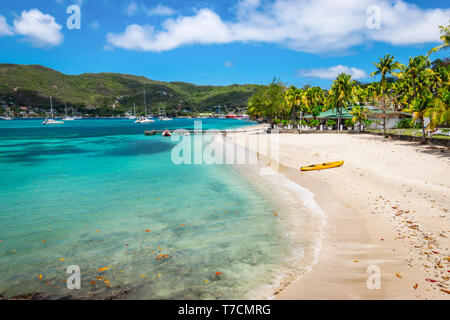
(333, 114)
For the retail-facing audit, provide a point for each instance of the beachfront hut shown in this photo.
(323, 117)
(393, 118)
(373, 116)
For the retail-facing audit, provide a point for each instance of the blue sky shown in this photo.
(220, 42)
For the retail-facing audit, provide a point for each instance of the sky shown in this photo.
(220, 42)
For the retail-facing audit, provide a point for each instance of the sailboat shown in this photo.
(51, 121)
(67, 118)
(133, 116)
(165, 118)
(145, 119)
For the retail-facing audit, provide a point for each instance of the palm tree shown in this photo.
(315, 96)
(445, 31)
(386, 66)
(341, 94)
(293, 100)
(439, 113)
(424, 85)
(420, 108)
(314, 99)
(360, 114)
(413, 71)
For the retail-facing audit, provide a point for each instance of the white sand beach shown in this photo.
(388, 206)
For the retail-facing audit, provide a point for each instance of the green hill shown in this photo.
(110, 93)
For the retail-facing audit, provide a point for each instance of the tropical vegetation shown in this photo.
(421, 89)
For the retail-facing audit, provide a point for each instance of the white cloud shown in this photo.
(41, 30)
(132, 8)
(229, 64)
(206, 28)
(161, 10)
(5, 29)
(404, 24)
(332, 72)
(321, 26)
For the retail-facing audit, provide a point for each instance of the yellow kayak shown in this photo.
(322, 166)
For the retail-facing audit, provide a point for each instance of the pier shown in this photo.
(210, 131)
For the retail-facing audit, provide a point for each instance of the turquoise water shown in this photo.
(98, 193)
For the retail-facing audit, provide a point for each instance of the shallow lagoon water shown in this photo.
(99, 194)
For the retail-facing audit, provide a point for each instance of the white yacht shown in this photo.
(51, 121)
(146, 119)
(67, 118)
(133, 116)
(6, 118)
(165, 118)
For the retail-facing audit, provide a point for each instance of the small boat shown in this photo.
(51, 122)
(142, 120)
(133, 116)
(323, 166)
(67, 118)
(165, 118)
(167, 133)
(6, 118)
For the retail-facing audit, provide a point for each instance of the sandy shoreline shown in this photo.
(387, 206)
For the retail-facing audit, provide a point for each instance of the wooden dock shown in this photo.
(210, 131)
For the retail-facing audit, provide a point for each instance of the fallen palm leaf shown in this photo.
(162, 256)
(103, 269)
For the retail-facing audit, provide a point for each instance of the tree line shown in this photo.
(420, 88)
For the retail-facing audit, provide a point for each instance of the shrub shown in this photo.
(404, 124)
(313, 123)
(331, 123)
(349, 123)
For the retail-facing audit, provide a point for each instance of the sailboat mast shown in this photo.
(51, 106)
(145, 104)
(134, 109)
